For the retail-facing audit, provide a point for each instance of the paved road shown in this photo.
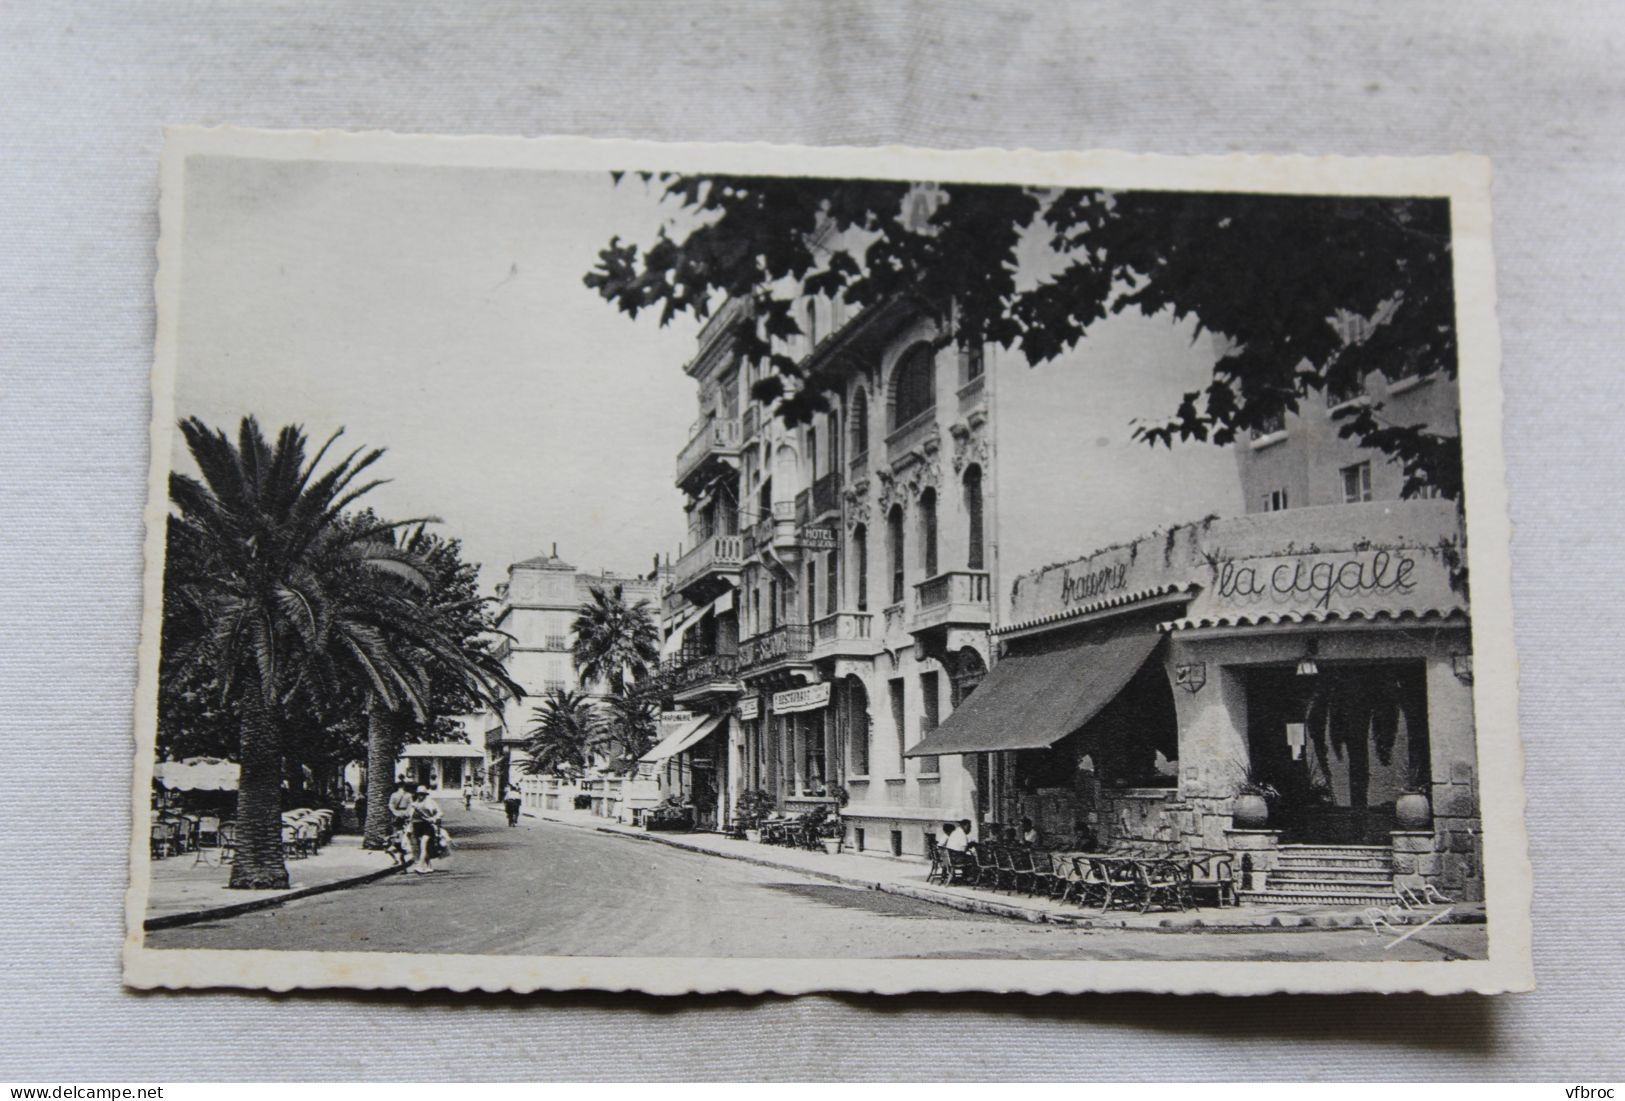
(549, 889)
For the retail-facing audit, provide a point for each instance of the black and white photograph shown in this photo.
(684, 568)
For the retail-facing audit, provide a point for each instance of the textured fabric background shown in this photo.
(84, 91)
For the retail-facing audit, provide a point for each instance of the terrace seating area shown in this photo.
(210, 840)
(1176, 880)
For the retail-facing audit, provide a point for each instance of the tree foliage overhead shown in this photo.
(1269, 273)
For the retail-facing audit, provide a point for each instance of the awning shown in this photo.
(684, 739)
(442, 749)
(1029, 701)
(197, 774)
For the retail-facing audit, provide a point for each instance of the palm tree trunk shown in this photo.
(259, 864)
(385, 731)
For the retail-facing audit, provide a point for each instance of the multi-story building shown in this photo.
(1315, 648)
(849, 584)
(538, 605)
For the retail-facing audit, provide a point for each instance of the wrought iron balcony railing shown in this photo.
(826, 494)
(791, 642)
(720, 553)
(713, 439)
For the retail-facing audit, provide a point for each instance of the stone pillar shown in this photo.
(1453, 752)
(1213, 749)
(1262, 846)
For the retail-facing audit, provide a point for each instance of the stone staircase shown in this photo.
(1328, 875)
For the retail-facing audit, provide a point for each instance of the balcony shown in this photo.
(972, 394)
(748, 426)
(696, 676)
(958, 598)
(826, 495)
(715, 443)
(916, 436)
(803, 514)
(705, 571)
(844, 635)
(790, 644)
(778, 529)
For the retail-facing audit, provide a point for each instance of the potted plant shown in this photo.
(1413, 810)
(750, 809)
(830, 829)
(1251, 810)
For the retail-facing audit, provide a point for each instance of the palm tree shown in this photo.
(630, 729)
(616, 643)
(567, 728)
(288, 599)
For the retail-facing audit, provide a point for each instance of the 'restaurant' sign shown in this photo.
(750, 707)
(818, 538)
(671, 720)
(809, 698)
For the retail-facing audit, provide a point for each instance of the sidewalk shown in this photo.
(907, 878)
(183, 891)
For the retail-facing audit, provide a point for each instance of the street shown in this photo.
(553, 890)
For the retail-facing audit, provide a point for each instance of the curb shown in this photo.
(193, 917)
(1276, 924)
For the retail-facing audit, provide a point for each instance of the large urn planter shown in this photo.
(832, 845)
(1412, 811)
(753, 835)
(1250, 812)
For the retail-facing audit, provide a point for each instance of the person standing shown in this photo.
(425, 823)
(512, 802)
(468, 796)
(400, 819)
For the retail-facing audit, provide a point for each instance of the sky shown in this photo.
(439, 312)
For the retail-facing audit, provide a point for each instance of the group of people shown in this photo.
(416, 821)
(956, 836)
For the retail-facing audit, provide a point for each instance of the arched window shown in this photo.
(914, 386)
(974, 558)
(858, 424)
(928, 532)
(894, 540)
(860, 558)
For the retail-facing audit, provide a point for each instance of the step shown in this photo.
(1334, 869)
(1319, 898)
(1280, 883)
(1334, 862)
(1382, 851)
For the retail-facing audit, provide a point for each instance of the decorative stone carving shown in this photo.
(970, 442)
(857, 503)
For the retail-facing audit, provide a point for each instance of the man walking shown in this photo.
(511, 803)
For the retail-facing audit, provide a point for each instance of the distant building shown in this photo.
(538, 606)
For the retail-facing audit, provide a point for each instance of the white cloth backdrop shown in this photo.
(83, 94)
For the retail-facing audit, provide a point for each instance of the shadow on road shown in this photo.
(875, 902)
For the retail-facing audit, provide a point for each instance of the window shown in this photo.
(812, 589)
(928, 717)
(1275, 500)
(834, 428)
(772, 604)
(812, 322)
(1356, 483)
(812, 748)
(913, 385)
(973, 515)
(832, 582)
(1270, 425)
(858, 423)
(812, 451)
(928, 532)
(1341, 393)
(973, 363)
(860, 552)
(894, 539)
(897, 722)
(856, 704)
